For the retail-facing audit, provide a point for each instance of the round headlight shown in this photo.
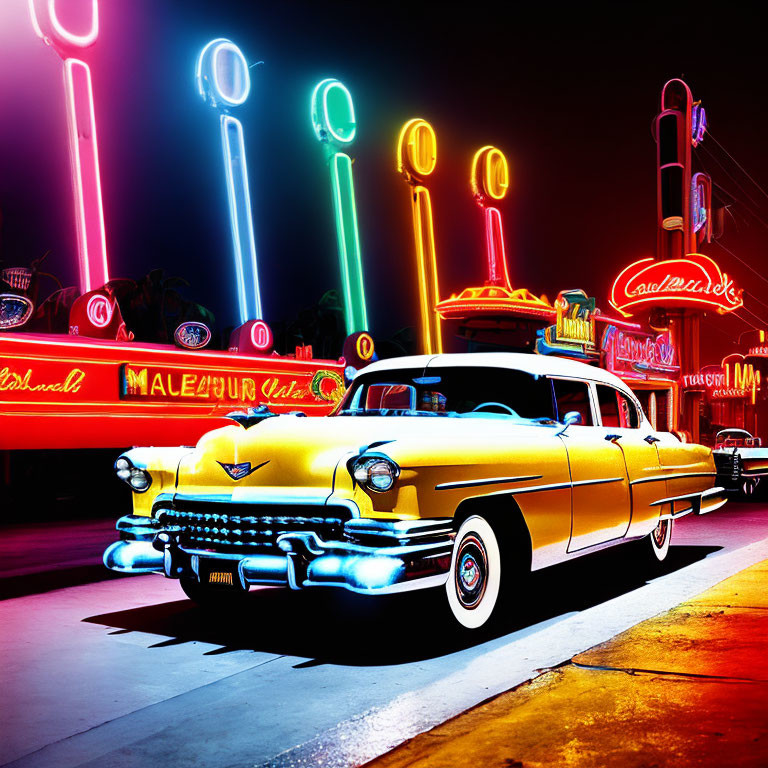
(376, 473)
(139, 480)
(122, 464)
(381, 475)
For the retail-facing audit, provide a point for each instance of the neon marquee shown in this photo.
(81, 124)
(223, 81)
(695, 282)
(176, 395)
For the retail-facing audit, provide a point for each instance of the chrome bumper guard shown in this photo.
(699, 503)
(375, 557)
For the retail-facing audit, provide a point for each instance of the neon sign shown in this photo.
(695, 281)
(254, 338)
(698, 123)
(573, 333)
(493, 300)
(333, 120)
(170, 383)
(81, 124)
(639, 355)
(741, 375)
(192, 335)
(416, 160)
(489, 180)
(733, 379)
(15, 381)
(701, 194)
(223, 81)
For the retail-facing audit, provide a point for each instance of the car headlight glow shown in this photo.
(138, 479)
(377, 473)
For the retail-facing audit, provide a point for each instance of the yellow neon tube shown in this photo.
(416, 159)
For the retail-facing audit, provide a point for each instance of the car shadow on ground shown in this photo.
(331, 626)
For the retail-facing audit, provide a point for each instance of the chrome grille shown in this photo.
(247, 528)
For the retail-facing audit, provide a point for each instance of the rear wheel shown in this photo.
(748, 487)
(475, 576)
(659, 539)
(213, 595)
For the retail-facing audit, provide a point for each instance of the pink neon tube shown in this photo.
(83, 147)
(494, 247)
(84, 151)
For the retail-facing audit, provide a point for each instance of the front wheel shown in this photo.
(475, 576)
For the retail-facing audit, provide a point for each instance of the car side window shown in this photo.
(616, 409)
(628, 415)
(573, 396)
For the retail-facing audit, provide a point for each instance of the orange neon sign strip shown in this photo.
(416, 160)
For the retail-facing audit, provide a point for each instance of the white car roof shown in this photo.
(541, 365)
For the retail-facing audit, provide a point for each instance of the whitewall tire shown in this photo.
(660, 538)
(475, 576)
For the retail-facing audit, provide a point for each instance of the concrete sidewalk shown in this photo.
(686, 688)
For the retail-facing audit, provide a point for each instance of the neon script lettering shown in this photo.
(10, 381)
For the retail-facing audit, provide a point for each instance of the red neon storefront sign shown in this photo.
(695, 281)
(640, 355)
(59, 392)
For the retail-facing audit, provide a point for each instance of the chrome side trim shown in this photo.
(657, 478)
(560, 486)
(484, 481)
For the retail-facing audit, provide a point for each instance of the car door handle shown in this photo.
(612, 438)
(650, 439)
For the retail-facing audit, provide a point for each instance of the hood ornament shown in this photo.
(239, 471)
(252, 416)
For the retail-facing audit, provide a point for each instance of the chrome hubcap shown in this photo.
(471, 571)
(660, 533)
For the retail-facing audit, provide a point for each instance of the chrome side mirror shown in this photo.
(572, 417)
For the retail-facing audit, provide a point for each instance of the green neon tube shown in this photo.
(333, 119)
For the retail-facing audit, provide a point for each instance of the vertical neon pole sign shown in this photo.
(84, 151)
(490, 181)
(223, 81)
(333, 119)
(416, 160)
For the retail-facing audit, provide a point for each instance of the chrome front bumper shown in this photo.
(375, 557)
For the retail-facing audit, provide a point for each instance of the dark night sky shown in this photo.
(568, 92)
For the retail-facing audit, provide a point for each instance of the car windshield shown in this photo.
(469, 391)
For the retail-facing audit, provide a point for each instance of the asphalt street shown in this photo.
(127, 672)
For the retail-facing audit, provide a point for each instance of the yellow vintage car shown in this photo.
(463, 472)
